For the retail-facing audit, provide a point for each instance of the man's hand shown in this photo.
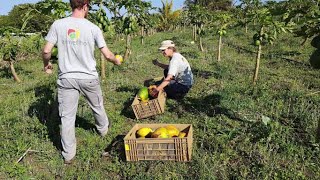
(155, 62)
(154, 92)
(48, 68)
(119, 59)
(46, 56)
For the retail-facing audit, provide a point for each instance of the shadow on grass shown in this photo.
(127, 110)
(202, 74)
(116, 148)
(209, 105)
(318, 132)
(46, 110)
(84, 124)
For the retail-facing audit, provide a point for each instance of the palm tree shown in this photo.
(168, 18)
(211, 4)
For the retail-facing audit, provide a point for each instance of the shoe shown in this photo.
(104, 133)
(68, 162)
(105, 154)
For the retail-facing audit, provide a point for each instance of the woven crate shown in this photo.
(175, 149)
(152, 107)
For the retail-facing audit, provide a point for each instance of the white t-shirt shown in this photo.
(179, 67)
(76, 39)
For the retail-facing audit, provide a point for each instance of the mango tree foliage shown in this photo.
(184, 19)
(114, 18)
(146, 23)
(9, 50)
(47, 9)
(50, 10)
(222, 20)
(246, 8)
(136, 14)
(102, 21)
(135, 10)
(305, 14)
(199, 18)
(211, 5)
(268, 29)
(6, 25)
(14, 21)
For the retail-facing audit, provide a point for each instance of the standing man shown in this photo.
(178, 77)
(76, 38)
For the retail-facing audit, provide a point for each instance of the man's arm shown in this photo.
(110, 56)
(165, 82)
(157, 63)
(46, 56)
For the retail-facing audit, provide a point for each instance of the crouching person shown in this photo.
(178, 77)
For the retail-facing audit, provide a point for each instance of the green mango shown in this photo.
(143, 94)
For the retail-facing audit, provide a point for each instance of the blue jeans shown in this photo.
(174, 90)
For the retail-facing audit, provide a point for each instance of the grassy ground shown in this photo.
(240, 132)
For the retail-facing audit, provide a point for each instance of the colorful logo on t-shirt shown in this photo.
(73, 34)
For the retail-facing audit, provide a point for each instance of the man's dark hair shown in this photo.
(78, 4)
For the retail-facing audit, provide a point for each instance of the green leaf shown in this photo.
(265, 120)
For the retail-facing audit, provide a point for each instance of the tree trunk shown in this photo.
(128, 51)
(219, 48)
(318, 132)
(304, 41)
(194, 32)
(200, 44)
(246, 26)
(103, 66)
(256, 71)
(142, 35)
(14, 74)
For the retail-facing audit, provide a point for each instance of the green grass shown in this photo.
(232, 139)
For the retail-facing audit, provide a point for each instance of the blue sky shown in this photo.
(6, 7)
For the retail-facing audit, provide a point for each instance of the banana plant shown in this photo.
(168, 17)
